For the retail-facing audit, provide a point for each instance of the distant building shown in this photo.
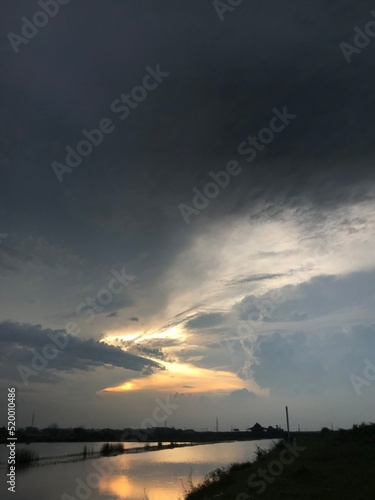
(257, 429)
(260, 431)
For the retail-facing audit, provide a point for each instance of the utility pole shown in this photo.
(287, 422)
(32, 419)
(217, 424)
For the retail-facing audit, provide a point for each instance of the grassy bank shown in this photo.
(329, 466)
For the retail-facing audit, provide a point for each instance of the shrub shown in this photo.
(111, 449)
(26, 458)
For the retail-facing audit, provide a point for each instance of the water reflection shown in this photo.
(121, 488)
(118, 486)
(127, 477)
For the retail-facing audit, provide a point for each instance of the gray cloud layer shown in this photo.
(20, 342)
(119, 207)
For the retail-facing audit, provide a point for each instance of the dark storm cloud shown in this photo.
(120, 205)
(20, 341)
(225, 79)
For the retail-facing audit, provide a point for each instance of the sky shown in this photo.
(187, 213)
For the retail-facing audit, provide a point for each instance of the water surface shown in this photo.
(125, 477)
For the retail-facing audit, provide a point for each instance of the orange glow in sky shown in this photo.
(186, 378)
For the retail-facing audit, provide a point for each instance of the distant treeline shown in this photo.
(53, 433)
